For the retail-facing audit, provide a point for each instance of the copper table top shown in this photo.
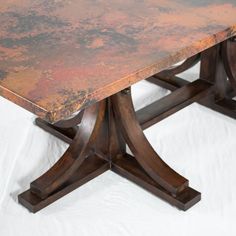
(58, 56)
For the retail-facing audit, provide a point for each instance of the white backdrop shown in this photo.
(196, 142)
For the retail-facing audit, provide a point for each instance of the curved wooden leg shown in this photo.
(143, 152)
(154, 166)
(75, 154)
(72, 168)
(65, 130)
(186, 65)
(74, 121)
(167, 78)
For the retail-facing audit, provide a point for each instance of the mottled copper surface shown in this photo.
(57, 56)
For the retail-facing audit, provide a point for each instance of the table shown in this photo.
(72, 64)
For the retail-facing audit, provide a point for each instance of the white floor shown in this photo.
(197, 142)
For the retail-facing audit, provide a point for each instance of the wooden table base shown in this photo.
(98, 135)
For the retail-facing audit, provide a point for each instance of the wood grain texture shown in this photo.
(57, 57)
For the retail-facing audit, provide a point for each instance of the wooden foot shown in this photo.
(92, 167)
(224, 106)
(127, 167)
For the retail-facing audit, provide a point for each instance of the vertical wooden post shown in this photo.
(212, 70)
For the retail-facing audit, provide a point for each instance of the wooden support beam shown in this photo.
(173, 102)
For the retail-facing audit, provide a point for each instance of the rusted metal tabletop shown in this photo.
(61, 57)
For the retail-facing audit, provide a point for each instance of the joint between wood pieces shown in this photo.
(233, 39)
(126, 91)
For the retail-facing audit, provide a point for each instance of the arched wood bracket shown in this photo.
(218, 67)
(98, 144)
(170, 74)
(175, 70)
